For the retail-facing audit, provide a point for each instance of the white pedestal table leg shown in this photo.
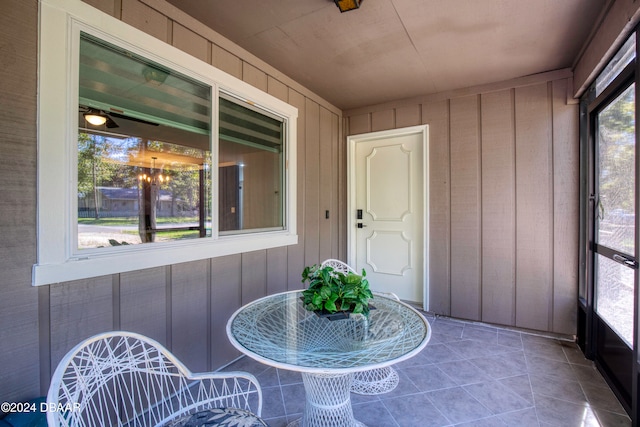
(328, 402)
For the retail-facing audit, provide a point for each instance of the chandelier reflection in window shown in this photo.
(153, 177)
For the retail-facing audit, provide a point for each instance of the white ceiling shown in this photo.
(394, 49)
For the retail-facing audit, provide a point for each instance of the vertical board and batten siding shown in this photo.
(189, 305)
(276, 273)
(566, 161)
(74, 325)
(311, 183)
(498, 207)
(503, 195)
(534, 215)
(328, 182)
(436, 114)
(464, 147)
(254, 275)
(184, 306)
(226, 297)
(20, 374)
(143, 303)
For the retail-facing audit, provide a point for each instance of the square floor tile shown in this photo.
(447, 327)
(289, 377)
(610, 419)
(405, 386)
(463, 372)
(524, 418)
(497, 397)
(468, 349)
(272, 403)
(427, 378)
(488, 335)
(602, 398)
(432, 353)
(554, 368)
(373, 414)
(559, 412)
(520, 385)
(415, 410)
(502, 365)
(294, 400)
(544, 347)
(558, 388)
(510, 339)
(588, 375)
(458, 406)
(574, 354)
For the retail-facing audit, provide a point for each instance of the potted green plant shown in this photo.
(331, 292)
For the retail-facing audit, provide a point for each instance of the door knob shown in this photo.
(361, 225)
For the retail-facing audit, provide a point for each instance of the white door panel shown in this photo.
(387, 210)
(387, 197)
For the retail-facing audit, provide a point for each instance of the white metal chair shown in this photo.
(373, 381)
(126, 379)
(338, 265)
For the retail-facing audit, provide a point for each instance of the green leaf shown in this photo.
(325, 291)
(330, 306)
(317, 300)
(305, 274)
(350, 293)
(352, 278)
(358, 308)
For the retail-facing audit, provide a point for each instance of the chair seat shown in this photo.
(218, 417)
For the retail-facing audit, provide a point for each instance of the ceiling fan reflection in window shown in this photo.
(96, 118)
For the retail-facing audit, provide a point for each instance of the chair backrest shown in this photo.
(389, 295)
(126, 379)
(337, 265)
(343, 267)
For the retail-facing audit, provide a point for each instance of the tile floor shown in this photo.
(469, 375)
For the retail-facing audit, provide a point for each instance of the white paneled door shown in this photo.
(388, 213)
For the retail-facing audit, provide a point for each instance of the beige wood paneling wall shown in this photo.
(19, 335)
(184, 306)
(499, 185)
(503, 199)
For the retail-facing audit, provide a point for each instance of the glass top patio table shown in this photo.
(277, 330)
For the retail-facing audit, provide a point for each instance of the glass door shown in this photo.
(614, 240)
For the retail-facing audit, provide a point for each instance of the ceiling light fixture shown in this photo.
(347, 5)
(95, 117)
(154, 75)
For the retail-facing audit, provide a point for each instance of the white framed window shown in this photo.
(148, 156)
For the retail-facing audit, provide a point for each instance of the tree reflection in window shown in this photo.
(134, 190)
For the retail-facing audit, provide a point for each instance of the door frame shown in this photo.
(592, 332)
(613, 360)
(352, 141)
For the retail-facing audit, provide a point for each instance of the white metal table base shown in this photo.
(375, 381)
(328, 402)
